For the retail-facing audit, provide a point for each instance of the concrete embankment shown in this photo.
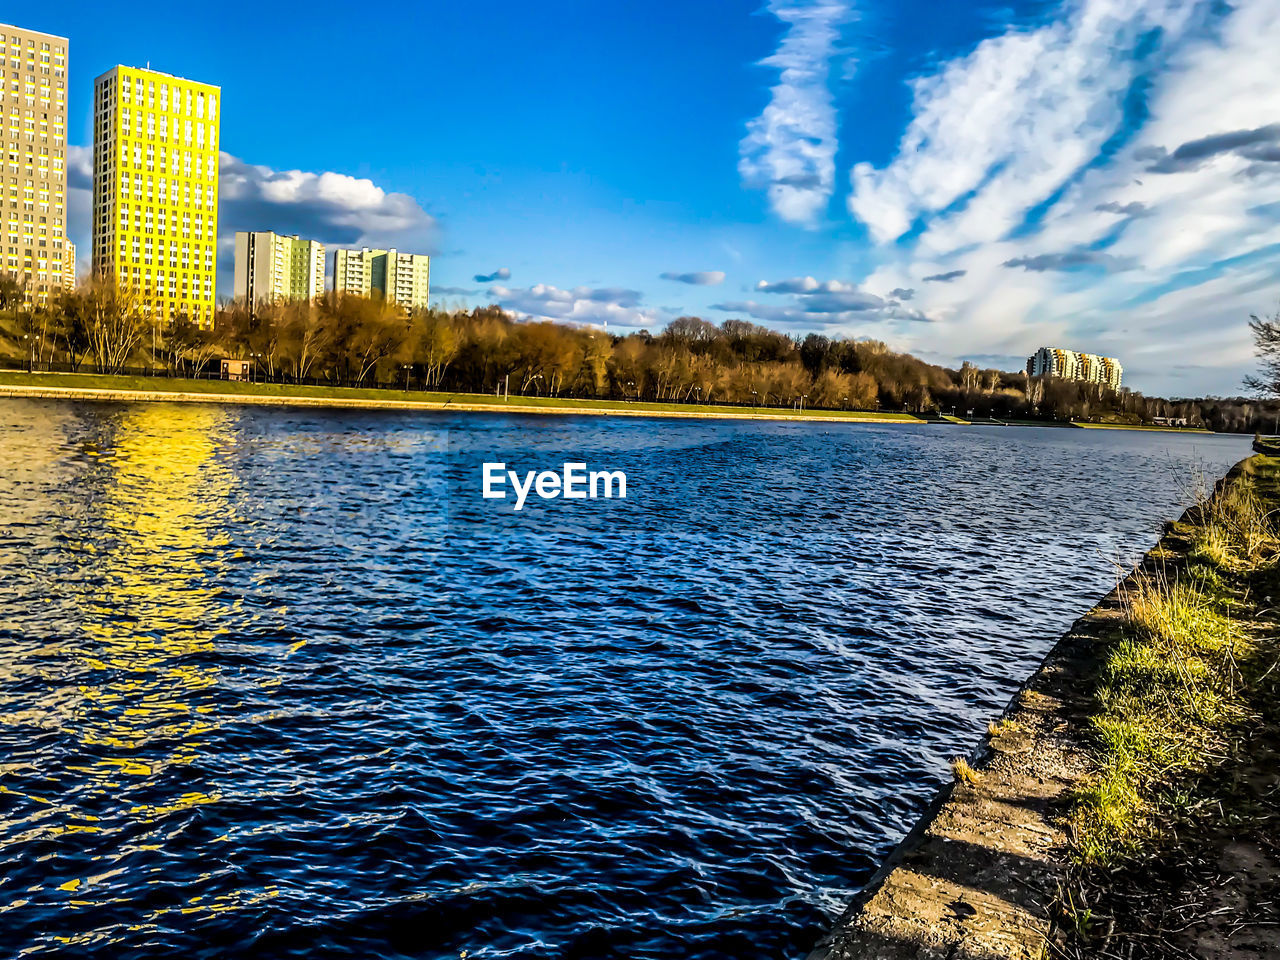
(978, 875)
(368, 403)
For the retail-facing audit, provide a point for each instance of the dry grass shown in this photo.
(1172, 692)
(963, 772)
(997, 728)
(1238, 532)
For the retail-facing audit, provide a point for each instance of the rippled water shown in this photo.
(280, 683)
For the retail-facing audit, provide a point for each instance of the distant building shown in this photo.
(69, 266)
(155, 190)
(1070, 365)
(402, 278)
(33, 130)
(271, 268)
(236, 370)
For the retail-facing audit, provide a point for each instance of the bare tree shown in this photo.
(12, 291)
(1266, 344)
(73, 326)
(114, 324)
(436, 344)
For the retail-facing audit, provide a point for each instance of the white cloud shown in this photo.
(588, 306)
(330, 207)
(999, 130)
(697, 278)
(806, 286)
(334, 208)
(790, 149)
(807, 302)
(1003, 164)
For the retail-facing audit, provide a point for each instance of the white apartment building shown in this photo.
(271, 268)
(33, 159)
(402, 278)
(1070, 365)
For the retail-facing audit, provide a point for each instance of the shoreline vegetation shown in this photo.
(345, 341)
(121, 388)
(1125, 803)
(105, 387)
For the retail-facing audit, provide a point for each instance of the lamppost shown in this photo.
(405, 368)
(755, 399)
(803, 398)
(253, 371)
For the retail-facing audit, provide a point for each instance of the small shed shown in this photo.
(235, 369)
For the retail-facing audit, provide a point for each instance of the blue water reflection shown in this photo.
(281, 683)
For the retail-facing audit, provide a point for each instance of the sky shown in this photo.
(960, 180)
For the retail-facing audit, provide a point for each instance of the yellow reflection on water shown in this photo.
(154, 546)
(161, 514)
(146, 494)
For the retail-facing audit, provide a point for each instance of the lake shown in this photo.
(282, 683)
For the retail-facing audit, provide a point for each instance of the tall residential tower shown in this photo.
(155, 190)
(401, 278)
(33, 159)
(1070, 365)
(271, 268)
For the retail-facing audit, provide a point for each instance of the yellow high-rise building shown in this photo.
(155, 190)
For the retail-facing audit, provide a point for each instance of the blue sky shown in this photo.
(960, 180)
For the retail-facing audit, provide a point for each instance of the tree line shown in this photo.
(350, 340)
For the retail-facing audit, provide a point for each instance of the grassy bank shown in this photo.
(1185, 724)
(283, 393)
(1137, 426)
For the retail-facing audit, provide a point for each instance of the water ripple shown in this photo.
(280, 684)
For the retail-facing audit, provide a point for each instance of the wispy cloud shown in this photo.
(502, 273)
(1131, 209)
(1072, 260)
(592, 306)
(806, 301)
(998, 131)
(1261, 144)
(1137, 142)
(698, 278)
(790, 149)
(794, 285)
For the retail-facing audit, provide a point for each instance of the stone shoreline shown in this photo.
(978, 873)
(132, 396)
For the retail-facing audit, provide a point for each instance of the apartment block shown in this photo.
(402, 278)
(69, 266)
(33, 159)
(271, 268)
(155, 190)
(1070, 365)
